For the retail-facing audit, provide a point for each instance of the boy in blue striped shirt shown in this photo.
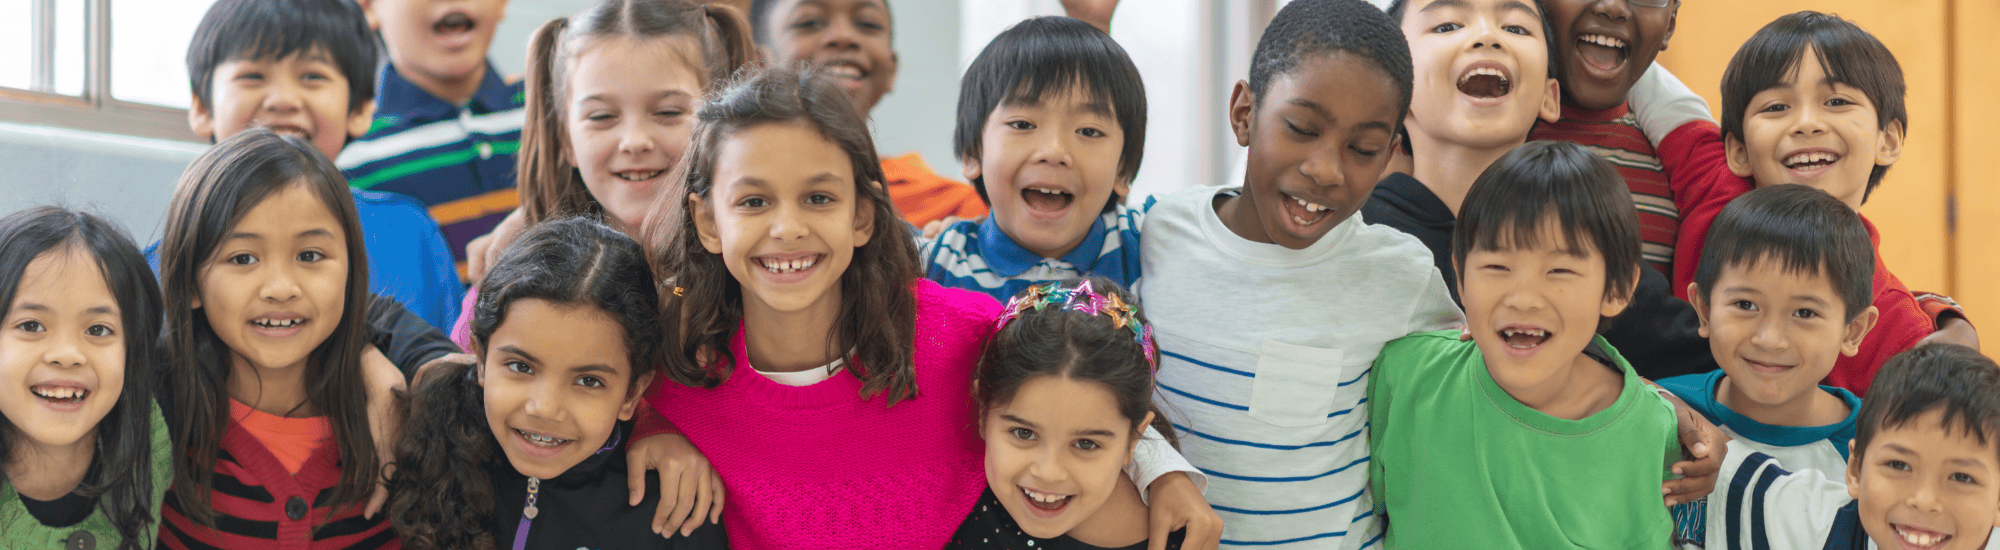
(1051, 126)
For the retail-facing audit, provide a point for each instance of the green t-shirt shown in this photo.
(1458, 463)
(21, 530)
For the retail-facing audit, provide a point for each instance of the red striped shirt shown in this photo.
(1615, 136)
(258, 504)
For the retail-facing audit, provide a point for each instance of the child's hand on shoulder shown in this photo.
(1177, 503)
(690, 490)
(1703, 447)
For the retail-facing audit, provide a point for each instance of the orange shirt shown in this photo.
(923, 196)
(292, 440)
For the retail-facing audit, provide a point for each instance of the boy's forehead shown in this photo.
(1074, 94)
(1496, 6)
(268, 53)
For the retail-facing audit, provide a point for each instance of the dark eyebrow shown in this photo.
(99, 310)
(1518, 5)
(1967, 462)
(1096, 433)
(600, 368)
(1814, 300)
(316, 232)
(1442, 4)
(1311, 106)
(516, 350)
(1894, 448)
(1019, 420)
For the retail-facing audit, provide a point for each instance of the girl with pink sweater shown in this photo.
(825, 380)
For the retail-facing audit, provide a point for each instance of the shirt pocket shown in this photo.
(1294, 386)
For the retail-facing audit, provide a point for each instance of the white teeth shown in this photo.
(1039, 496)
(1602, 40)
(1048, 191)
(1311, 207)
(1921, 539)
(639, 176)
(1806, 158)
(1523, 332)
(274, 323)
(542, 440)
(845, 70)
(1483, 71)
(788, 266)
(59, 393)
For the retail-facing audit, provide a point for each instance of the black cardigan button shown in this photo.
(295, 508)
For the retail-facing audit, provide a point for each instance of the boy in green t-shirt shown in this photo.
(1536, 434)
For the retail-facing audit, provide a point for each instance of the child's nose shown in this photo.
(1051, 149)
(1323, 167)
(1617, 11)
(64, 352)
(1047, 465)
(280, 286)
(840, 34)
(1770, 335)
(542, 403)
(787, 223)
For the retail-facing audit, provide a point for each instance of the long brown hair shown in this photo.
(548, 182)
(222, 186)
(877, 308)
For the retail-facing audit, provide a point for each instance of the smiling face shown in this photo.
(1049, 168)
(628, 114)
(558, 380)
(1481, 71)
(433, 41)
(303, 94)
(1810, 131)
(1776, 332)
(1055, 453)
(1533, 309)
(277, 283)
(62, 350)
(1605, 45)
(849, 37)
(1922, 486)
(1318, 139)
(785, 216)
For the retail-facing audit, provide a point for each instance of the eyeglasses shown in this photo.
(1650, 3)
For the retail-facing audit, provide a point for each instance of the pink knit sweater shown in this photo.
(820, 467)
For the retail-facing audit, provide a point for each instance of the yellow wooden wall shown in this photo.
(1954, 107)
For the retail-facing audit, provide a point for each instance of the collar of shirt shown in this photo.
(397, 95)
(1007, 258)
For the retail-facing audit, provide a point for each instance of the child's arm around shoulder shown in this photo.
(1695, 159)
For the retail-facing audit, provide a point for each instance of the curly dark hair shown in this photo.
(878, 310)
(441, 493)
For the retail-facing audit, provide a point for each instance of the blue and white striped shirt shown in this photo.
(978, 256)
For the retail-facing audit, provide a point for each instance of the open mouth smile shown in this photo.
(1485, 81)
(1524, 340)
(1601, 53)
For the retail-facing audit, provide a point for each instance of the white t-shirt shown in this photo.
(1265, 354)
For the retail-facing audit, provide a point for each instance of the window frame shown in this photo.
(96, 110)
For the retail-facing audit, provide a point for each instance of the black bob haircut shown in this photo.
(1037, 58)
(1949, 378)
(274, 29)
(121, 481)
(1558, 180)
(1850, 56)
(1308, 28)
(1804, 229)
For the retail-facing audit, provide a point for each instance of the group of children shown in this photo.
(712, 322)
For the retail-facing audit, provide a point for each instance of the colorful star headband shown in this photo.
(1081, 298)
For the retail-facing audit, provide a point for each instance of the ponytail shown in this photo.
(727, 43)
(441, 495)
(549, 186)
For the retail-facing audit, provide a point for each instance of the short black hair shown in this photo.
(1320, 27)
(1849, 55)
(1542, 179)
(1043, 56)
(1804, 229)
(1953, 379)
(274, 29)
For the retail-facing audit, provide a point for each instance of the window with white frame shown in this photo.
(98, 65)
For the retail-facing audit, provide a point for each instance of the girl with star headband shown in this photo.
(1065, 391)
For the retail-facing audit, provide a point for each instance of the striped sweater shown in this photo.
(258, 504)
(1615, 136)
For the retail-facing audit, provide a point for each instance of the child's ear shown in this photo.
(1853, 472)
(969, 166)
(359, 121)
(1889, 146)
(1850, 339)
(1700, 304)
(1738, 155)
(637, 395)
(864, 219)
(1614, 303)
(1673, 20)
(1242, 108)
(201, 119)
(704, 224)
(1123, 188)
(368, 11)
(1141, 434)
(1552, 106)
(889, 80)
